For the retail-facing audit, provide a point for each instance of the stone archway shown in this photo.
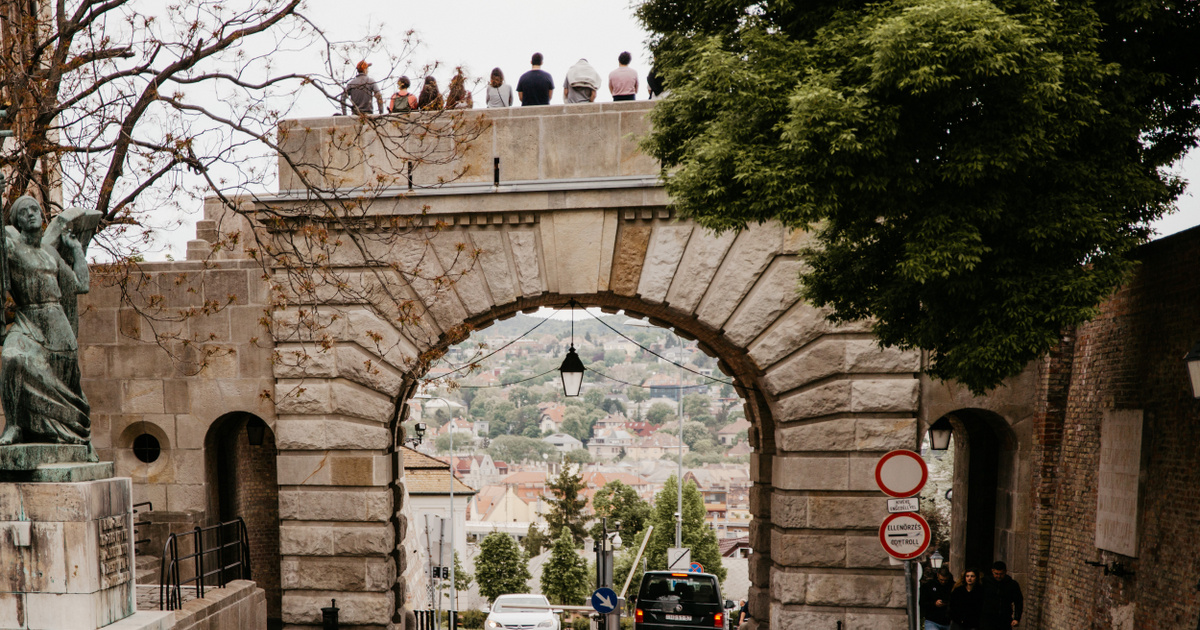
(824, 402)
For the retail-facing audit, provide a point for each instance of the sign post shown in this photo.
(904, 534)
(679, 558)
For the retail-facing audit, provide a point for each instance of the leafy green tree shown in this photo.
(616, 357)
(501, 567)
(578, 422)
(518, 448)
(565, 574)
(462, 579)
(567, 504)
(612, 405)
(659, 413)
(637, 394)
(625, 510)
(695, 405)
(975, 174)
(696, 534)
(521, 396)
(593, 397)
(535, 540)
(442, 442)
(694, 432)
(580, 456)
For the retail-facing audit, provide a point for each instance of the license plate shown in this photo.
(678, 617)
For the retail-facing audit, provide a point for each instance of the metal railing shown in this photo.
(136, 524)
(431, 619)
(231, 561)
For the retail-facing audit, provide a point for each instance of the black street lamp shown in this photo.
(940, 433)
(572, 373)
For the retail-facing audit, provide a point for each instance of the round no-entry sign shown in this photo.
(904, 536)
(901, 473)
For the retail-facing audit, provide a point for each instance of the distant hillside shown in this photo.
(584, 325)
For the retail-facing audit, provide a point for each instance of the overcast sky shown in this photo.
(482, 34)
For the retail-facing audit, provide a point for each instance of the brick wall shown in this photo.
(249, 489)
(1129, 357)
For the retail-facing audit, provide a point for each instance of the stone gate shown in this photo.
(578, 213)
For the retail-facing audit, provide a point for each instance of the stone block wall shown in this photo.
(1128, 358)
(136, 387)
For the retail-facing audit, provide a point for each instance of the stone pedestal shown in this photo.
(66, 551)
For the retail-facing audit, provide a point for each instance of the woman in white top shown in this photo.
(499, 93)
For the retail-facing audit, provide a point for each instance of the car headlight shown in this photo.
(494, 625)
(549, 623)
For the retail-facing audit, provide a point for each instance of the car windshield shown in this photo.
(679, 588)
(514, 604)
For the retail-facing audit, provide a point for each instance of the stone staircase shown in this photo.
(146, 569)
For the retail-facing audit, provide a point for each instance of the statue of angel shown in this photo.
(39, 377)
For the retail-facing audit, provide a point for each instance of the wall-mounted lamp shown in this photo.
(419, 429)
(1193, 365)
(256, 429)
(936, 560)
(940, 433)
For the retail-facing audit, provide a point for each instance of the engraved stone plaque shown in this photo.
(1117, 494)
(114, 550)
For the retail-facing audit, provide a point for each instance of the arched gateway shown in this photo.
(579, 214)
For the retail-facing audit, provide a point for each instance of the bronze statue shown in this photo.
(39, 377)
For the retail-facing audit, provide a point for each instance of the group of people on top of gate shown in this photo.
(977, 602)
(536, 87)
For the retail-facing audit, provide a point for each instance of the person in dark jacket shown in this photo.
(935, 600)
(1002, 602)
(966, 602)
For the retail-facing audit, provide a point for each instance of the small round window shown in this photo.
(146, 448)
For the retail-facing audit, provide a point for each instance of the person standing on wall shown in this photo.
(499, 93)
(582, 83)
(623, 82)
(402, 101)
(966, 602)
(536, 86)
(1002, 600)
(360, 91)
(935, 600)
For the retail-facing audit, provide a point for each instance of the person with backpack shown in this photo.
(402, 101)
(499, 93)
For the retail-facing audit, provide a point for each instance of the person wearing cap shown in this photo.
(360, 89)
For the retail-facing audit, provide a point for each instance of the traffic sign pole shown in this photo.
(904, 534)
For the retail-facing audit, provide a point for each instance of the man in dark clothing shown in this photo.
(1002, 600)
(935, 600)
(535, 86)
(360, 91)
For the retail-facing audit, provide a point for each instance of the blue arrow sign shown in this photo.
(604, 600)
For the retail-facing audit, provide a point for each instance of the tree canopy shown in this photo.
(568, 506)
(565, 574)
(696, 534)
(625, 510)
(975, 174)
(501, 567)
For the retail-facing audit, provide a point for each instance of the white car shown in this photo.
(522, 612)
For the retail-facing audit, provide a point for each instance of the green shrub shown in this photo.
(581, 623)
(472, 618)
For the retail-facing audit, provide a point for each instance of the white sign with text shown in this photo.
(1117, 482)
